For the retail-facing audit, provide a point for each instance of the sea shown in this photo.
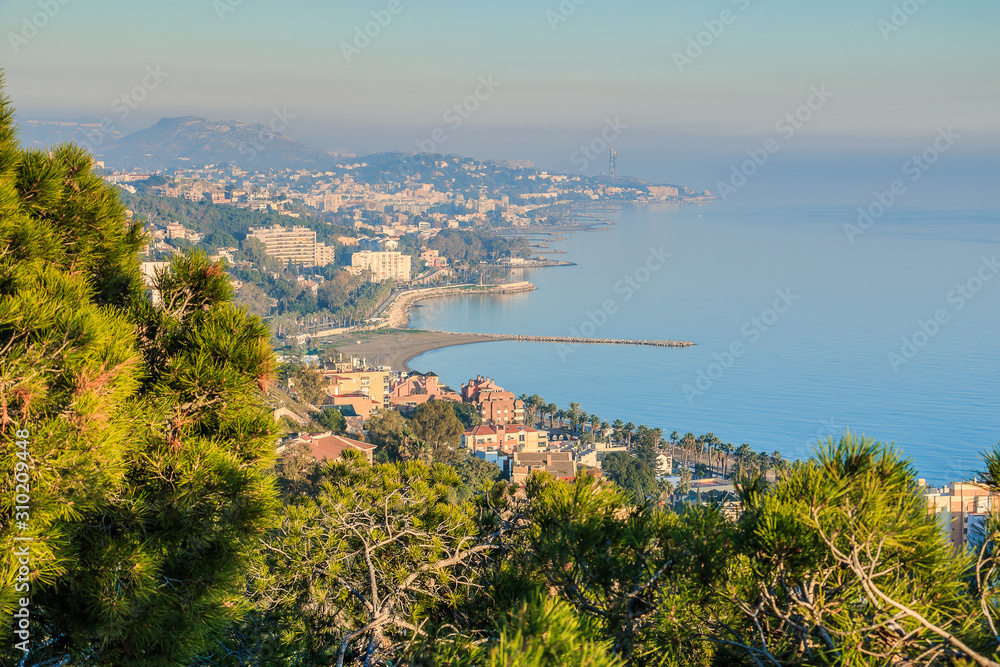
(808, 322)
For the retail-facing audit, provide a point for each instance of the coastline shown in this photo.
(395, 348)
(394, 344)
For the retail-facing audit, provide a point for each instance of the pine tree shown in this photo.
(140, 428)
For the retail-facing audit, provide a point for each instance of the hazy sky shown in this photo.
(562, 70)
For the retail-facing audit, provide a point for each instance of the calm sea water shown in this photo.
(814, 320)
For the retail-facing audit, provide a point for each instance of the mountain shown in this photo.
(190, 141)
(87, 132)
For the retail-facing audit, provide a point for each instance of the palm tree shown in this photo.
(617, 425)
(604, 427)
(742, 452)
(537, 404)
(778, 461)
(574, 410)
(657, 435)
(551, 408)
(561, 416)
(629, 428)
(688, 444)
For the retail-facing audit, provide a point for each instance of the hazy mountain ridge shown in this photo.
(191, 141)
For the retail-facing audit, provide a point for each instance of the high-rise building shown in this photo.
(614, 161)
(293, 243)
(383, 265)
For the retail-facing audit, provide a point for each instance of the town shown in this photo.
(487, 433)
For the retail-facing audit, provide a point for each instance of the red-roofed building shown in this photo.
(481, 438)
(418, 389)
(329, 447)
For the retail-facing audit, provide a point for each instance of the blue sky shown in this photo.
(892, 90)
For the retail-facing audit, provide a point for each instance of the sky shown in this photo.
(691, 86)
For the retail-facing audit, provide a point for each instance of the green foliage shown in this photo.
(467, 414)
(394, 435)
(309, 384)
(637, 571)
(474, 246)
(435, 423)
(352, 572)
(475, 472)
(647, 445)
(631, 474)
(845, 544)
(332, 420)
(148, 436)
(548, 632)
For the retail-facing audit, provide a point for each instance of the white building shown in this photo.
(383, 265)
(293, 243)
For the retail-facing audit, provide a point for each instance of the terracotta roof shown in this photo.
(332, 446)
(481, 430)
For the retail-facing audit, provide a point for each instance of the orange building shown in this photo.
(495, 404)
(962, 507)
(328, 447)
(506, 438)
(419, 388)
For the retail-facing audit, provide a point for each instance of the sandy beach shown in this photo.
(396, 347)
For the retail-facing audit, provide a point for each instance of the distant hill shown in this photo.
(190, 141)
(87, 132)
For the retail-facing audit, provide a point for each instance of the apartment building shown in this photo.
(374, 384)
(383, 265)
(508, 439)
(962, 507)
(418, 389)
(495, 404)
(297, 244)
